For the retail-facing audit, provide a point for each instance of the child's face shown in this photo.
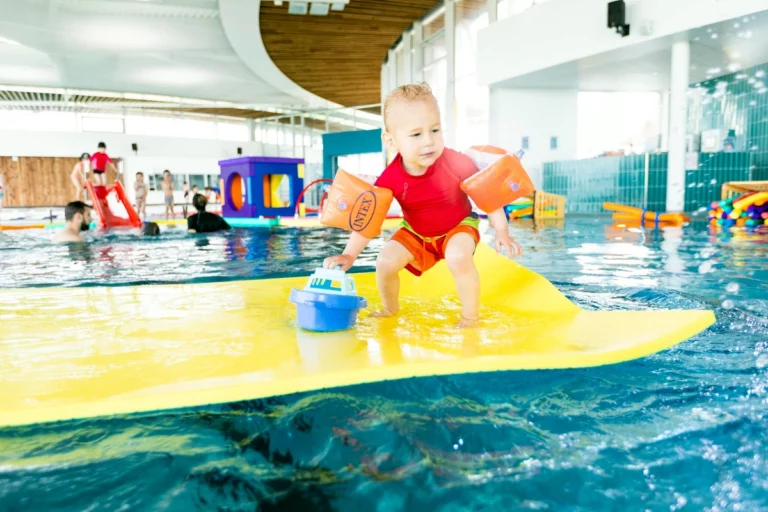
(139, 178)
(102, 150)
(415, 132)
(167, 176)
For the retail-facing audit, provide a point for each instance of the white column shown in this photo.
(664, 122)
(384, 82)
(678, 117)
(417, 63)
(493, 10)
(450, 57)
(251, 129)
(406, 49)
(392, 65)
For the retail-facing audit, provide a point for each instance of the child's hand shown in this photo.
(504, 240)
(343, 260)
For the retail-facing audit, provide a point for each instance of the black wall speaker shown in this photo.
(239, 151)
(617, 17)
(134, 147)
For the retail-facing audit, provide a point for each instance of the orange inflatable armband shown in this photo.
(484, 156)
(500, 181)
(356, 205)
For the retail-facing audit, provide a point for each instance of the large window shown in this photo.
(611, 121)
(436, 76)
(197, 179)
(403, 60)
(434, 24)
(196, 128)
(435, 63)
(232, 131)
(507, 8)
(472, 100)
(38, 121)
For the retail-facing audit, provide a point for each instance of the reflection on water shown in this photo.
(682, 429)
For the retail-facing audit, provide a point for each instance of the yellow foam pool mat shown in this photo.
(83, 352)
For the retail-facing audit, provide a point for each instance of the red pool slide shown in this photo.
(100, 195)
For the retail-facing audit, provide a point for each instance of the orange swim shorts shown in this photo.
(428, 251)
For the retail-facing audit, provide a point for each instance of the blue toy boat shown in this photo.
(329, 302)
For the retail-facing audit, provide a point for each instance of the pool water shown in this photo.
(679, 430)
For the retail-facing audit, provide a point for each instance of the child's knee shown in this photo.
(386, 264)
(459, 262)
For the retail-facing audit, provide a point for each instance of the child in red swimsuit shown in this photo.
(100, 161)
(425, 178)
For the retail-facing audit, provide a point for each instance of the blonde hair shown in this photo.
(407, 93)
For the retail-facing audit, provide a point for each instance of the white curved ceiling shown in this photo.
(167, 47)
(240, 20)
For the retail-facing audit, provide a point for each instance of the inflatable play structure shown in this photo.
(251, 187)
(100, 197)
(246, 342)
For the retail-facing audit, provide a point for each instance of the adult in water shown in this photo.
(203, 221)
(77, 216)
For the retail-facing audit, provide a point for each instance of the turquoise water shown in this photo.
(680, 430)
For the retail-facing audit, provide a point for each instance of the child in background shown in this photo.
(185, 188)
(426, 178)
(141, 189)
(79, 172)
(167, 185)
(4, 189)
(100, 162)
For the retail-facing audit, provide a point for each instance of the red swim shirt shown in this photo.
(99, 161)
(433, 203)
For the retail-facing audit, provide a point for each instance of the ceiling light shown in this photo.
(734, 66)
(712, 71)
(760, 73)
(298, 8)
(9, 41)
(278, 2)
(319, 9)
(338, 6)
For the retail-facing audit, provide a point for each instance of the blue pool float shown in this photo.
(329, 302)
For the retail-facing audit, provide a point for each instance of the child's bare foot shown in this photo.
(382, 313)
(467, 323)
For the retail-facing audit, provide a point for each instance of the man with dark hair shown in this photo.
(77, 216)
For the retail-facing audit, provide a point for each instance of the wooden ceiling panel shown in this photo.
(338, 57)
